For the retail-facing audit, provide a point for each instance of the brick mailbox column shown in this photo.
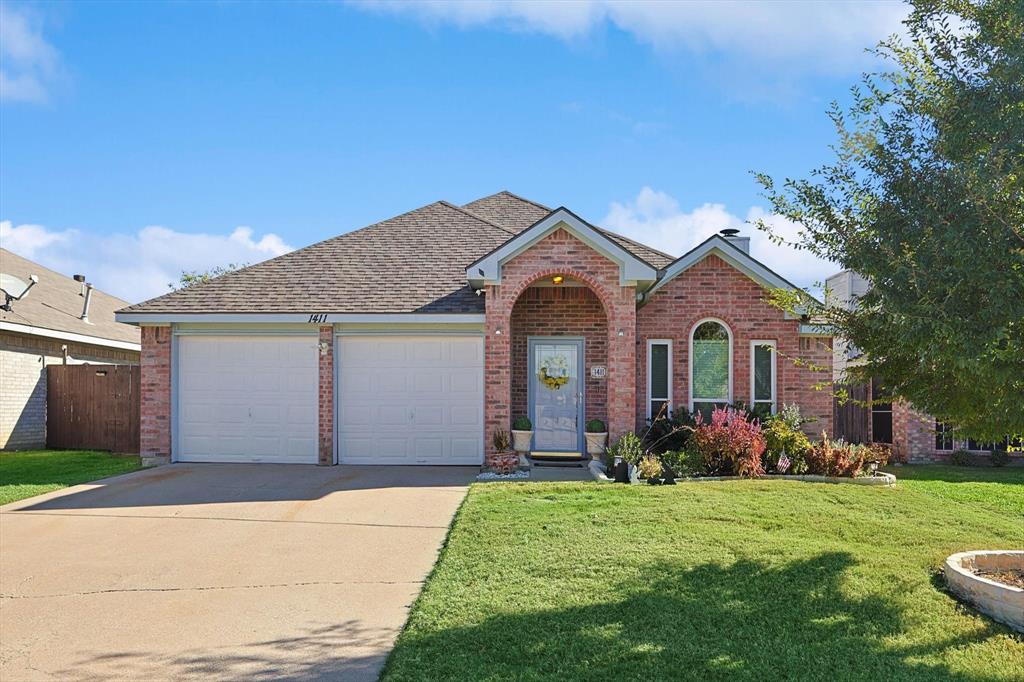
(326, 440)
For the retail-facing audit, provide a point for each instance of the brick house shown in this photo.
(412, 340)
(50, 326)
(914, 435)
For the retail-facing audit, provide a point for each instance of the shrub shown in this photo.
(649, 467)
(960, 458)
(781, 436)
(729, 444)
(670, 432)
(522, 424)
(685, 462)
(879, 452)
(629, 447)
(500, 440)
(1000, 458)
(596, 426)
(836, 458)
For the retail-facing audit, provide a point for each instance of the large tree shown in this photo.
(926, 200)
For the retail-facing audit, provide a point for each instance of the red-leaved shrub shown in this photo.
(729, 444)
(835, 458)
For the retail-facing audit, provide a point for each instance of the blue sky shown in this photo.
(140, 139)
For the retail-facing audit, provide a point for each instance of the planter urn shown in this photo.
(596, 443)
(521, 440)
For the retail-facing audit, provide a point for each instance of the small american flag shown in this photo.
(783, 465)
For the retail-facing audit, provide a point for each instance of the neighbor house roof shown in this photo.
(53, 308)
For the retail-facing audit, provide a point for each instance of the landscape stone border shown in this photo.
(1004, 603)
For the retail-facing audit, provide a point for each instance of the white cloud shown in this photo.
(137, 266)
(28, 63)
(655, 218)
(811, 36)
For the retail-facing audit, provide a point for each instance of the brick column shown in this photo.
(326, 451)
(497, 370)
(913, 434)
(621, 314)
(155, 413)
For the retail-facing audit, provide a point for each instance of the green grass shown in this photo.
(34, 472)
(749, 580)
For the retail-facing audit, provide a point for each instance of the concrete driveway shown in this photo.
(220, 571)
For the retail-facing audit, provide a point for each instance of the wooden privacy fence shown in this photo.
(850, 419)
(94, 407)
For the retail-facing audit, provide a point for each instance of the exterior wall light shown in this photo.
(622, 332)
(557, 279)
(497, 332)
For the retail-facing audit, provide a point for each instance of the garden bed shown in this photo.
(974, 577)
(878, 478)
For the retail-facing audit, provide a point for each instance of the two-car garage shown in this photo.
(398, 399)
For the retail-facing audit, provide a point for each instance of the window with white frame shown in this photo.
(710, 366)
(762, 377)
(659, 378)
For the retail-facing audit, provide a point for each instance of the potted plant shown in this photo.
(597, 437)
(505, 459)
(522, 434)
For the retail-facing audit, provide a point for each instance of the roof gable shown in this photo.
(632, 269)
(731, 254)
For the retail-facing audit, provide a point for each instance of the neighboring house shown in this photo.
(412, 340)
(50, 326)
(914, 435)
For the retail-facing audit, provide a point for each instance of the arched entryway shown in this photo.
(559, 321)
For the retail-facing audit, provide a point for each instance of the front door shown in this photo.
(556, 394)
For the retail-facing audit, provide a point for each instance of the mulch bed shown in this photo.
(1011, 578)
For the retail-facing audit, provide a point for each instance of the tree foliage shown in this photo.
(190, 277)
(926, 200)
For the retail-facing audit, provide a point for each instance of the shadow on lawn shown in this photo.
(745, 621)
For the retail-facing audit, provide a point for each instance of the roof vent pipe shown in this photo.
(85, 306)
(81, 280)
(732, 235)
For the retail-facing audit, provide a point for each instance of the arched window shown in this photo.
(710, 366)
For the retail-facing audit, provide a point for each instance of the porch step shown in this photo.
(558, 459)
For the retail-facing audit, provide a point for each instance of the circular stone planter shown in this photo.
(1001, 602)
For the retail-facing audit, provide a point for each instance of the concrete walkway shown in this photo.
(220, 571)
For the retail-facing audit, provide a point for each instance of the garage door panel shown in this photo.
(247, 399)
(422, 402)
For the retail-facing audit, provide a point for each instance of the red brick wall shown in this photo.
(913, 435)
(560, 311)
(713, 288)
(155, 415)
(561, 253)
(326, 453)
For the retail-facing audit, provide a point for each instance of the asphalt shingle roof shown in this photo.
(412, 263)
(55, 303)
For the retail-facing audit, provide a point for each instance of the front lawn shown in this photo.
(34, 472)
(748, 580)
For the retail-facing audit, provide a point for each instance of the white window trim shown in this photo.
(753, 346)
(689, 361)
(668, 398)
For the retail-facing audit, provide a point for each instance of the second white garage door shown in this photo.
(410, 400)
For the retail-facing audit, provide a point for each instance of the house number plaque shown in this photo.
(598, 372)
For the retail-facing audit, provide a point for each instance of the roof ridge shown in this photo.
(529, 201)
(482, 219)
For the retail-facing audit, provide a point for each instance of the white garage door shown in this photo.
(247, 399)
(411, 400)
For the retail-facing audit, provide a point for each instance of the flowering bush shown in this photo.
(629, 447)
(650, 467)
(729, 444)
